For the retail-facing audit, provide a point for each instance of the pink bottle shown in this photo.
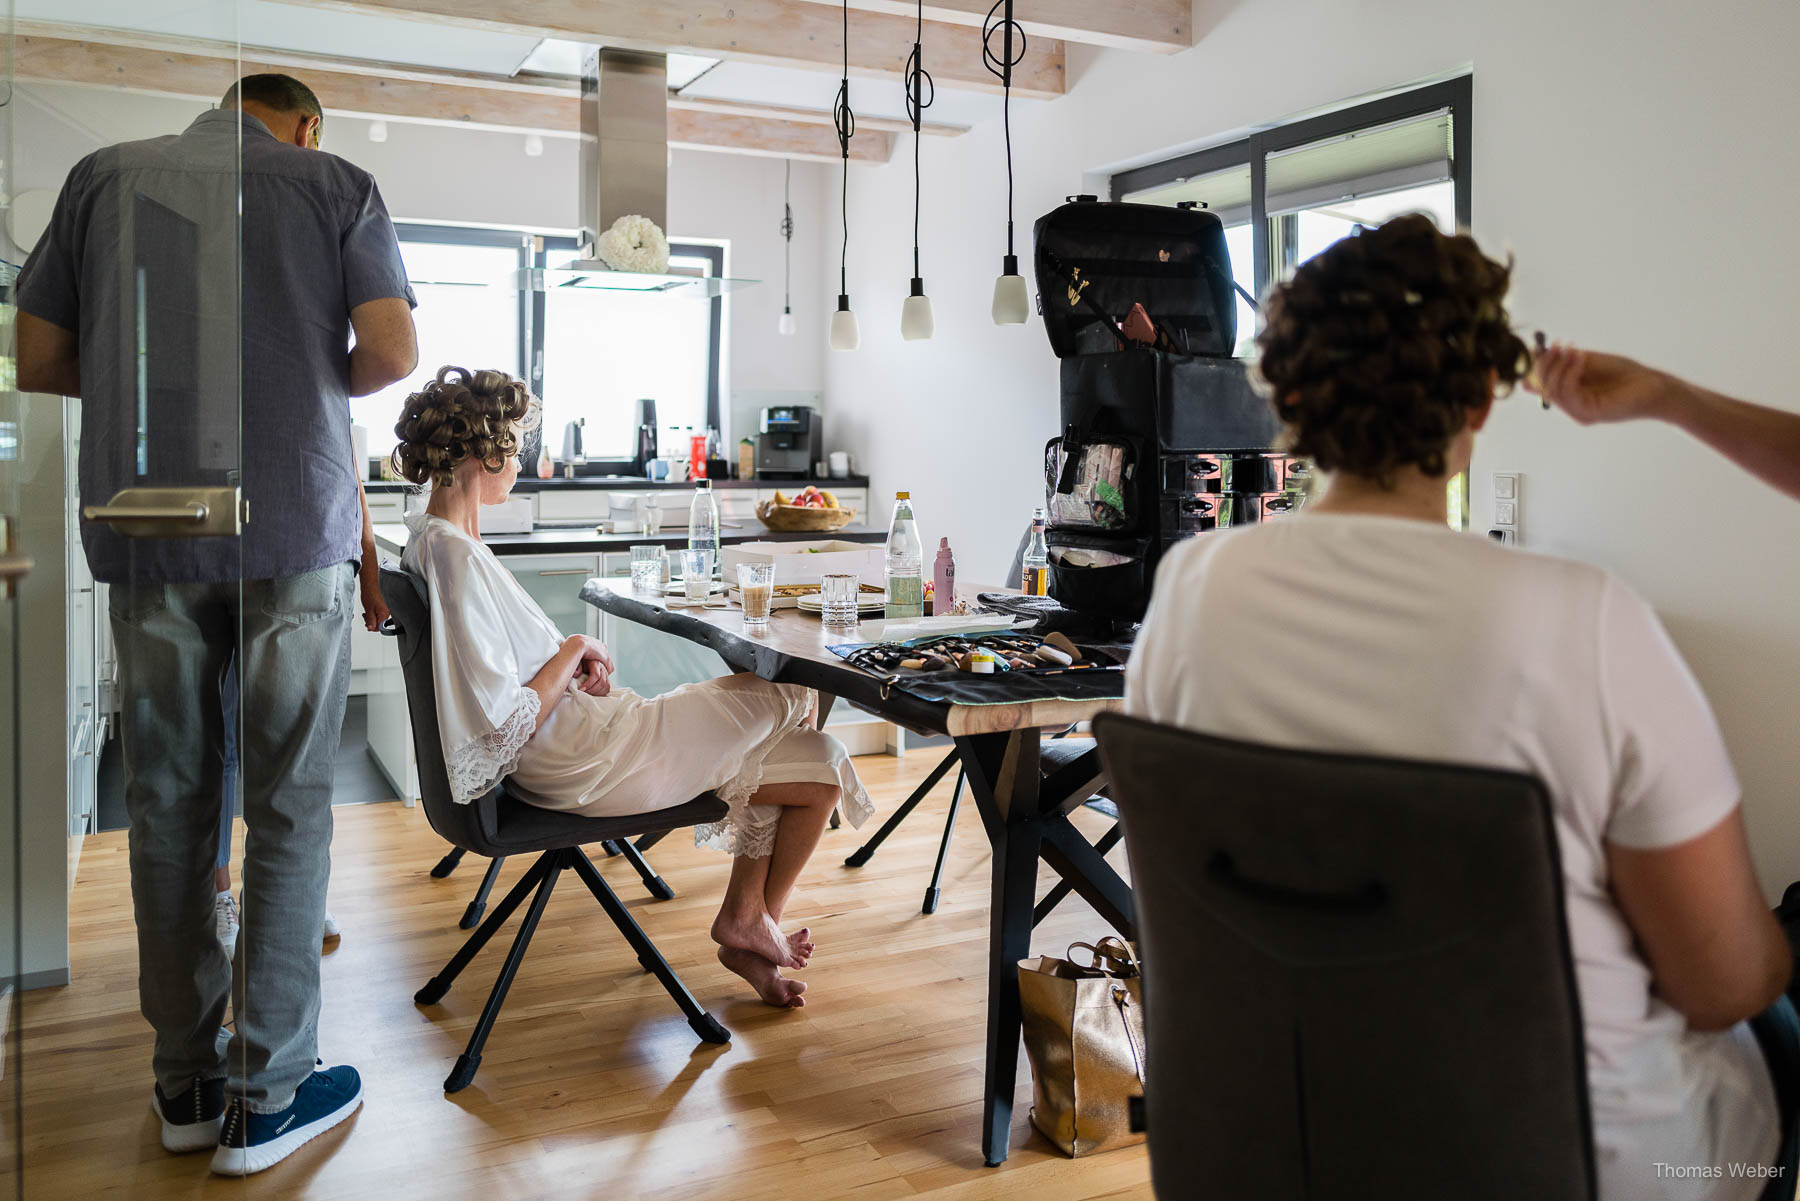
(943, 580)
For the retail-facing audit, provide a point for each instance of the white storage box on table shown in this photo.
(798, 563)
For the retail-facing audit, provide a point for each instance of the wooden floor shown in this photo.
(592, 1085)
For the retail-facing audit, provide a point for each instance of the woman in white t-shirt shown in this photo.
(1366, 624)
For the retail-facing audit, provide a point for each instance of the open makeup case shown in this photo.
(1161, 436)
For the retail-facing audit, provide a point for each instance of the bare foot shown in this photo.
(761, 936)
(774, 988)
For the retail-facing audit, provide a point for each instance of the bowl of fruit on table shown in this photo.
(810, 510)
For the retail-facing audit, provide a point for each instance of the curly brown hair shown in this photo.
(458, 416)
(1378, 349)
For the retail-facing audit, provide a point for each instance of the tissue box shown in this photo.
(508, 517)
(806, 562)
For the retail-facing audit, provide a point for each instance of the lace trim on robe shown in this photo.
(479, 764)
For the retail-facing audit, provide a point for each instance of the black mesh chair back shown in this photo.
(1358, 975)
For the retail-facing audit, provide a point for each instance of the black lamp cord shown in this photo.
(787, 235)
(1001, 66)
(918, 99)
(845, 120)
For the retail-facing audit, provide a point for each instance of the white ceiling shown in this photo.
(308, 29)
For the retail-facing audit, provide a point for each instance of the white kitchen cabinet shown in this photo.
(554, 582)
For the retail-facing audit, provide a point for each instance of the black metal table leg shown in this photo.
(1083, 867)
(1003, 775)
(1060, 893)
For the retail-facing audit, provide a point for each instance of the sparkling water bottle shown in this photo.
(905, 563)
(703, 522)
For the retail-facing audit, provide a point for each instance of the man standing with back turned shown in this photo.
(152, 300)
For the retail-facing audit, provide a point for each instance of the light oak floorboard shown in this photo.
(592, 1085)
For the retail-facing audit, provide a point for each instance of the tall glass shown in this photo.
(648, 566)
(756, 583)
(838, 597)
(696, 573)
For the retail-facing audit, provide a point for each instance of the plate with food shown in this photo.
(868, 602)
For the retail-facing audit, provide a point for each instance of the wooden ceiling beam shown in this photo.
(418, 96)
(1157, 26)
(809, 116)
(787, 33)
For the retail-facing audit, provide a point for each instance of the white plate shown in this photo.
(677, 588)
(812, 602)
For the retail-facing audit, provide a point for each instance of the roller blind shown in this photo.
(1226, 193)
(1366, 162)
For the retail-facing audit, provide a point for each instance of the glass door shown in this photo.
(124, 481)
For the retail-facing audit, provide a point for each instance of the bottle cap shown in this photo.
(943, 544)
(902, 496)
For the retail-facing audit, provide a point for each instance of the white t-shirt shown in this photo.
(1389, 636)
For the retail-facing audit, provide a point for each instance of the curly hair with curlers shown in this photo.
(1377, 351)
(459, 416)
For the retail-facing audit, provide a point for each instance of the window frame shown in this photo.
(1456, 95)
(534, 248)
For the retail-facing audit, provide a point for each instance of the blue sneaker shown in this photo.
(191, 1119)
(250, 1142)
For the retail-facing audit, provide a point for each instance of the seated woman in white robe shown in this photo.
(517, 698)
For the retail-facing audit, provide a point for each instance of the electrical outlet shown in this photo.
(1504, 534)
(1506, 485)
(1506, 512)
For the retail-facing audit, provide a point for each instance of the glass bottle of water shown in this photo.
(905, 563)
(1036, 581)
(703, 522)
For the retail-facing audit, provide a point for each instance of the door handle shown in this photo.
(172, 512)
(13, 565)
(567, 571)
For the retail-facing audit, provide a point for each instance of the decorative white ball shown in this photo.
(635, 244)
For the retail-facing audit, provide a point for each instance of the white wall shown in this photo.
(441, 173)
(1636, 157)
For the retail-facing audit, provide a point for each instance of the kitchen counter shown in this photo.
(618, 483)
(584, 539)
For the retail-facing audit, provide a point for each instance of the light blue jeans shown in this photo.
(176, 642)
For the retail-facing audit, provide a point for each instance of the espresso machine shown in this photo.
(792, 441)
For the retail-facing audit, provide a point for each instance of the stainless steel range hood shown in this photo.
(624, 171)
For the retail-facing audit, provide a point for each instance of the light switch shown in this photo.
(1506, 485)
(1505, 512)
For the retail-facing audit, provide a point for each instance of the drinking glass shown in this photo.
(756, 582)
(838, 595)
(696, 573)
(649, 514)
(647, 568)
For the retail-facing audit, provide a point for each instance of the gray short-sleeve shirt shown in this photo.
(214, 348)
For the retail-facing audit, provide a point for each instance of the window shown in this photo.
(589, 354)
(1285, 194)
(469, 313)
(605, 350)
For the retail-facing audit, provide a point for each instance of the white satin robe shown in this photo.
(603, 756)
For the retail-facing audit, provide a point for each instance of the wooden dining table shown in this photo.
(1024, 806)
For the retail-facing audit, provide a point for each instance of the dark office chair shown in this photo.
(1358, 977)
(1357, 971)
(654, 884)
(499, 824)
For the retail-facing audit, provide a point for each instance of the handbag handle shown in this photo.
(1111, 957)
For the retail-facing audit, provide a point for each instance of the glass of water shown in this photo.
(756, 582)
(696, 573)
(838, 595)
(647, 568)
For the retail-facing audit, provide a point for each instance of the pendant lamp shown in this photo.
(1012, 302)
(787, 251)
(916, 321)
(844, 335)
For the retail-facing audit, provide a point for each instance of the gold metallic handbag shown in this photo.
(1084, 1035)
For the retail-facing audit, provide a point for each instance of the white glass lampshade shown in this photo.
(787, 321)
(1012, 303)
(916, 323)
(844, 334)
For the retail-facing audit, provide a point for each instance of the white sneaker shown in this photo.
(226, 921)
(331, 927)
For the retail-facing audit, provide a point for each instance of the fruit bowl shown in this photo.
(790, 519)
